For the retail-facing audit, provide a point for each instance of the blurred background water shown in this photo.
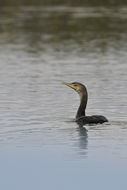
(42, 45)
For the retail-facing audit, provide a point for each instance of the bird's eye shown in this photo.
(76, 87)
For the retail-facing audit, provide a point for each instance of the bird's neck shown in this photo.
(82, 107)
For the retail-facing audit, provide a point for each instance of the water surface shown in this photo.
(41, 146)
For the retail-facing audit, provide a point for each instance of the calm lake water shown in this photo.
(40, 144)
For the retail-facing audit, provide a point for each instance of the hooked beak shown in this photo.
(70, 85)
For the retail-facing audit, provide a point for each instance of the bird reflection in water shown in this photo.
(83, 140)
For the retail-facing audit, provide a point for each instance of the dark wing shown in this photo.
(94, 119)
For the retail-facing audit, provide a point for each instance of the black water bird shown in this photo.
(81, 117)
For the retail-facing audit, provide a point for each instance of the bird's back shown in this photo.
(94, 119)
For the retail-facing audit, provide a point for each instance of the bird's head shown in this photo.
(78, 87)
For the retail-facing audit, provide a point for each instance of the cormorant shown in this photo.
(81, 117)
